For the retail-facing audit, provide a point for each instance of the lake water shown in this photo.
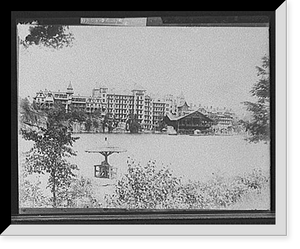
(190, 157)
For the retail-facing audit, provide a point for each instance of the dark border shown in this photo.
(14, 120)
(100, 216)
(158, 217)
(272, 46)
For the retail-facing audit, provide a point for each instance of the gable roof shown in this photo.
(138, 87)
(176, 118)
(184, 104)
(70, 86)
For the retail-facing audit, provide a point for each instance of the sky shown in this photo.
(211, 66)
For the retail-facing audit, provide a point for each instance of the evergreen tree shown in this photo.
(259, 125)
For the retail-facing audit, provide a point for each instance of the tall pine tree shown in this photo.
(259, 124)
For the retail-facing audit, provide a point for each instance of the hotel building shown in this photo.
(120, 106)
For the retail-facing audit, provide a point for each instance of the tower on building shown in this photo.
(70, 90)
(180, 99)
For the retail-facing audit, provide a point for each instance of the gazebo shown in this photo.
(104, 169)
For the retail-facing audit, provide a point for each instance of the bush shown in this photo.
(79, 194)
(147, 187)
(255, 181)
(31, 194)
(152, 187)
(221, 192)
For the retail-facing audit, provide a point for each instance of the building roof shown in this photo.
(70, 87)
(183, 104)
(176, 118)
(172, 117)
(138, 87)
(120, 92)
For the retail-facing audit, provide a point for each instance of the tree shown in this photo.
(259, 125)
(105, 122)
(52, 36)
(29, 115)
(88, 124)
(161, 124)
(52, 145)
(95, 123)
(133, 124)
(96, 118)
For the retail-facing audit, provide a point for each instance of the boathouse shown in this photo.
(190, 122)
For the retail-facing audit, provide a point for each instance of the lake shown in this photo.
(189, 157)
(192, 157)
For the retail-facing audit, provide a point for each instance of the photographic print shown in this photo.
(135, 117)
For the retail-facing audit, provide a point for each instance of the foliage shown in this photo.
(48, 156)
(147, 187)
(161, 124)
(31, 194)
(95, 123)
(254, 181)
(259, 125)
(58, 115)
(133, 124)
(26, 111)
(105, 122)
(29, 115)
(51, 147)
(73, 114)
(220, 192)
(52, 36)
(79, 194)
(88, 124)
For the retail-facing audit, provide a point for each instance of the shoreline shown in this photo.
(159, 133)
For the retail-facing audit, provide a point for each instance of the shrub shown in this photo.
(255, 181)
(79, 194)
(147, 187)
(31, 194)
(220, 192)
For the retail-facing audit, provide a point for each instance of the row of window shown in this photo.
(120, 101)
(119, 97)
(62, 96)
(79, 99)
(120, 106)
(225, 122)
(93, 100)
(225, 118)
(120, 111)
(192, 122)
